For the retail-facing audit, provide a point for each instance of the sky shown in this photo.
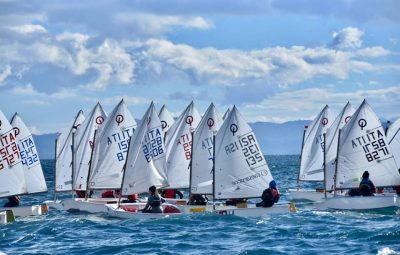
(276, 61)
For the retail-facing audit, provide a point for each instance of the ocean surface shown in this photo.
(306, 232)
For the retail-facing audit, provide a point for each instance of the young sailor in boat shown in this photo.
(133, 198)
(197, 199)
(269, 196)
(13, 201)
(171, 193)
(367, 188)
(153, 202)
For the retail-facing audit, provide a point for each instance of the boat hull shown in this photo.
(25, 211)
(91, 205)
(258, 211)
(7, 217)
(57, 205)
(308, 194)
(359, 202)
(131, 211)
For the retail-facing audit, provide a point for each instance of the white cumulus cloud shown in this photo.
(349, 37)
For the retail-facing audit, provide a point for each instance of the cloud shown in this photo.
(190, 95)
(129, 100)
(306, 103)
(28, 29)
(349, 37)
(154, 25)
(5, 73)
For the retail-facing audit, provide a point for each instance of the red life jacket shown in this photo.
(170, 193)
(107, 194)
(133, 197)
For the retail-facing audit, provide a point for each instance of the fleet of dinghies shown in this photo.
(208, 155)
(20, 169)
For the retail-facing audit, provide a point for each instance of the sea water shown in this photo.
(306, 232)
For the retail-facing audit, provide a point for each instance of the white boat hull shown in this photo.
(359, 202)
(54, 204)
(25, 211)
(258, 211)
(6, 217)
(91, 205)
(131, 211)
(308, 194)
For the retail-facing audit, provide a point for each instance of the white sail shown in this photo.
(145, 164)
(34, 177)
(393, 137)
(226, 113)
(166, 119)
(63, 175)
(312, 154)
(331, 143)
(179, 147)
(240, 168)
(363, 147)
(202, 156)
(110, 148)
(12, 178)
(83, 145)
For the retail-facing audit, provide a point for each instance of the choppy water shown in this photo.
(306, 232)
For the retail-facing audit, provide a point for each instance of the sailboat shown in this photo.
(21, 172)
(201, 176)
(179, 148)
(393, 137)
(144, 167)
(83, 146)
(312, 156)
(331, 144)
(63, 157)
(108, 158)
(240, 169)
(362, 146)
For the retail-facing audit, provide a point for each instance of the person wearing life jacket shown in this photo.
(171, 193)
(133, 198)
(269, 196)
(197, 199)
(80, 193)
(13, 201)
(153, 202)
(366, 188)
(107, 194)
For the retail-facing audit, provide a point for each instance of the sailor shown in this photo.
(153, 202)
(366, 188)
(269, 196)
(107, 194)
(171, 193)
(13, 201)
(197, 199)
(133, 198)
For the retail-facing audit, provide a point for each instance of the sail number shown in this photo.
(153, 144)
(28, 152)
(9, 153)
(248, 146)
(122, 140)
(373, 145)
(186, 142)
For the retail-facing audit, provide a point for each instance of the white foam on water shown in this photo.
(387, 251)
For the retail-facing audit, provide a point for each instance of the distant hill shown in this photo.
(274, 139)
